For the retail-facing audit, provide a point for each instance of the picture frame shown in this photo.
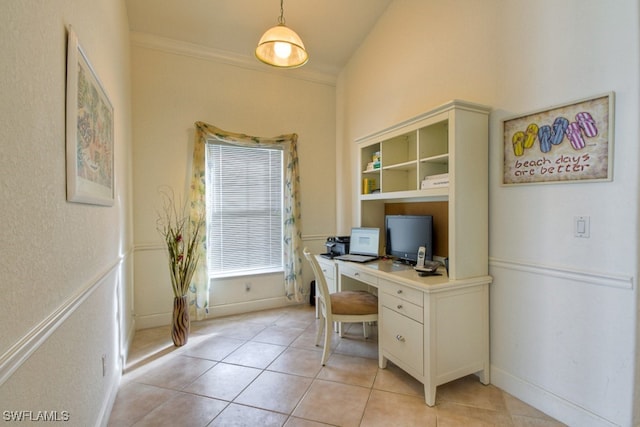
(89, 131)
(568, 143)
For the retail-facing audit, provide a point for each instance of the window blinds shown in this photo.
(244, 189)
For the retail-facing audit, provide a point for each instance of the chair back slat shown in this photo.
(322, 290)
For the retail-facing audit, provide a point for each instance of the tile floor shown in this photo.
(263, 369)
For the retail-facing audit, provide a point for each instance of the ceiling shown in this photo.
(331, 29)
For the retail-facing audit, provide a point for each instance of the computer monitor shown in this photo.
(406, 233)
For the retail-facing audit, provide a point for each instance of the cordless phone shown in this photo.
(425, 268)
(421, 253)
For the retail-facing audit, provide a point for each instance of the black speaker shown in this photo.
(312, 293)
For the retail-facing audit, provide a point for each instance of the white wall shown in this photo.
(66, 267)
(175, 85)
(563, 310)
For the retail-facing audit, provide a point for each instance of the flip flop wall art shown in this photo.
(568, 143)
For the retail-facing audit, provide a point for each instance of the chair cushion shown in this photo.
(354, 302)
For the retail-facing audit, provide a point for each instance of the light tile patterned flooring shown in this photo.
(263, 369)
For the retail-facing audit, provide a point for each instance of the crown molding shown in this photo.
(177, 47)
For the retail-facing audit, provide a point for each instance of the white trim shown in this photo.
(150, 41)
(149, 247)
(19, 352)
(140, 247)
(315, 237)
(164, 319)
(249, 306)
(107, 404)
(555, 406)
(152, 320)
(560, 272)
(418, 121)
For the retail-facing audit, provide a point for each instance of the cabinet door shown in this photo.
(402, 340)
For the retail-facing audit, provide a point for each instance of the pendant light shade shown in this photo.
(280, 46)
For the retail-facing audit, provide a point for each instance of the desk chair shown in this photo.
(345, 306)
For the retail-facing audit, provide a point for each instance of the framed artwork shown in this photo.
(89, 134)
(564, 144)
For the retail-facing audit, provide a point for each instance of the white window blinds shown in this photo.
(244, 209)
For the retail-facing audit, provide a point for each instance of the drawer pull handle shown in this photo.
(357, 274)
(399, 306)
(399, 291)
(400, 338)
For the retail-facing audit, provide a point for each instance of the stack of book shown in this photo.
(368, 186)
(374, 164)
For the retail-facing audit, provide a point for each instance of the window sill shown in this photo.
(247, 273)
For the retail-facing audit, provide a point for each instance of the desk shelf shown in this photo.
(451, 139)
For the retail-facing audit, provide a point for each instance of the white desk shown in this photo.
(434, 329)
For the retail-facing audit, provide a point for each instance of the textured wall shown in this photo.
(563, 310)
(64, 266)
(171, 92)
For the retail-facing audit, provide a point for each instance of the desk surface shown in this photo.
(406, 275)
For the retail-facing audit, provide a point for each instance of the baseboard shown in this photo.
(107, 404)
(547, 402)
(124, 355)
(164, 319)
(249, 306)
(152, 320)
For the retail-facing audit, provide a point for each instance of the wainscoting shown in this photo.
(72, 360)
(557, 340)
(227, 296)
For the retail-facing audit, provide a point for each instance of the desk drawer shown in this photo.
(354, 273)
(401, 306)
(414, 296)
(328, 268)
(403, 339)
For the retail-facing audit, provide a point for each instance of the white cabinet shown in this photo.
(447, 148)
(435, 329)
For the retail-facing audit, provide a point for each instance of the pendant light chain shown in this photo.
(281, 18)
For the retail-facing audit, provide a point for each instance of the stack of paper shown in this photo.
(434, 181)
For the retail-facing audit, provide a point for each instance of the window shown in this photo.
(244, 209)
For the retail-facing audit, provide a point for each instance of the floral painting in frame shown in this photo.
(90, 131)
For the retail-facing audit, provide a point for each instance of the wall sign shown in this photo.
(568, 143)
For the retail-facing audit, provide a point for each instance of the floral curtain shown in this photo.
(292, 240)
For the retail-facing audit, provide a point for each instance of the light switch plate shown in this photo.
(581, 226)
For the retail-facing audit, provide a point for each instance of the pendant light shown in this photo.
(281, 47)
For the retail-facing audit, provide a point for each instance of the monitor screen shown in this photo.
(406, 233)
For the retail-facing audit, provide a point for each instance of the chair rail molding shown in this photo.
(568, 273)
(19, 352)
